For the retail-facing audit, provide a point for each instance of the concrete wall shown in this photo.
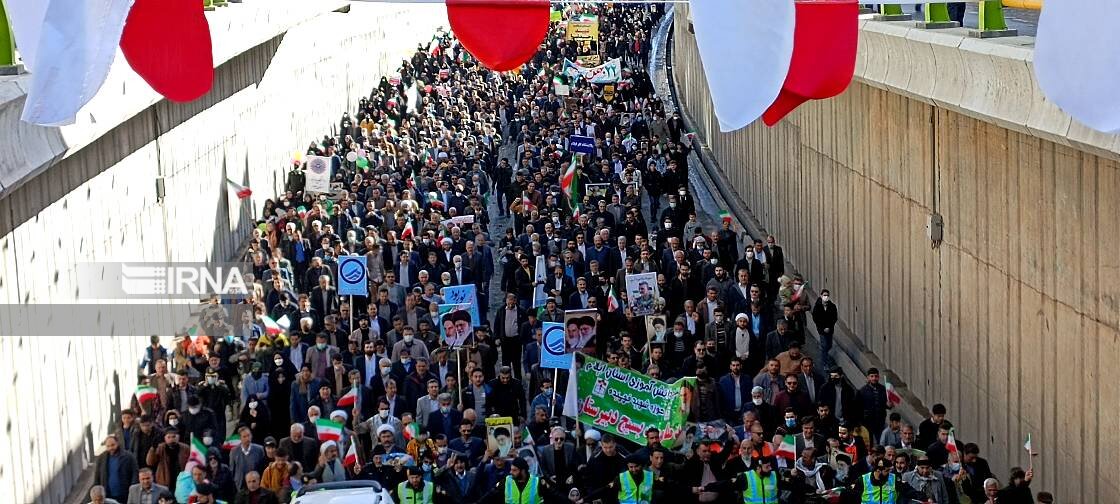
(1013, 321)
(87, 192)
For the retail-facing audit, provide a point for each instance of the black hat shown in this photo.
(270, 441)
(635, 458)
(520, 463)
(882, 464)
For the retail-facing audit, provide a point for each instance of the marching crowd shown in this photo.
(365, 388)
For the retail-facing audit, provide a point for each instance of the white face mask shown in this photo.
(824, 298)
(383, 414)
(207, 440)
(194, 409)
(757, 401)
(385, 370)
(173, 422)
(252, 404)
(408, 338)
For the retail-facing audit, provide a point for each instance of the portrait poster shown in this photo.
(642, 293)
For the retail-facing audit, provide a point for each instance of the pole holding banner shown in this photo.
(555, 383)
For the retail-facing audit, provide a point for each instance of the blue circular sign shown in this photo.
(352, 271)
(554, 340)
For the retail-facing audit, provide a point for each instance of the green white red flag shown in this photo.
(242, 191)
(351, 457)
(787, 449)
(145, 393)
(232, 441)
(613, 303)
(198, 451)
(328, 430)
(349, 398)
(893, 397)
(270, 326)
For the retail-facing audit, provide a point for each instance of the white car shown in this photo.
(344, 492)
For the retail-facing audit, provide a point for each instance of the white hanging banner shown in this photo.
(1076, 61)
(746, 47)
(68, 45)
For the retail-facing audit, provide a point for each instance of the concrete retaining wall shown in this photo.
(87, 192)
(1013, 321)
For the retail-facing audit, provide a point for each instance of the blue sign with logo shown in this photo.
(582, 144)
(352, 276)
(553, 355)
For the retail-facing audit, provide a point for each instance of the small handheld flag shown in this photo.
(242, 191)
(198, 451)
(351, 456)
(787, 449)
(328, 430)
(145, 393)
(349, 398)
(232, 441)
(613, 304)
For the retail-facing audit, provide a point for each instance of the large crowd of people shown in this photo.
(447, 139)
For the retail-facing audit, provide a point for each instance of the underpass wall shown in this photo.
(1013, 321)
(286, 70)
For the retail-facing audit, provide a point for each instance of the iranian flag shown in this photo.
(568, 181)
(951, 442)
(242, 191)
(285, 323)
(328, 430)
(232, 441)
(725, 216)
(270, 326)
(411, 431)
(613, 303)
(408, 232)
(144, 393)
(787, 449)
(349, 398)
(893, 397)
(351, 457)
(198, 451)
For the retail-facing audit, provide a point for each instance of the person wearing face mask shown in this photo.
(279, 395)
(256, 415)
(319, 356)
(444, 420)
(409, 348)
(216, 397)
(196, 419)
(825, 317)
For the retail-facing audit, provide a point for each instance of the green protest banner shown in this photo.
(626, 403)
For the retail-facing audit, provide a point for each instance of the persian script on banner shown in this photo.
(626, 403)
(607, 73)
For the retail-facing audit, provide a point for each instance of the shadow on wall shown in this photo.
(241, 72)
(70, 480)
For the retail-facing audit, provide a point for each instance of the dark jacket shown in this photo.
(127, 471)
